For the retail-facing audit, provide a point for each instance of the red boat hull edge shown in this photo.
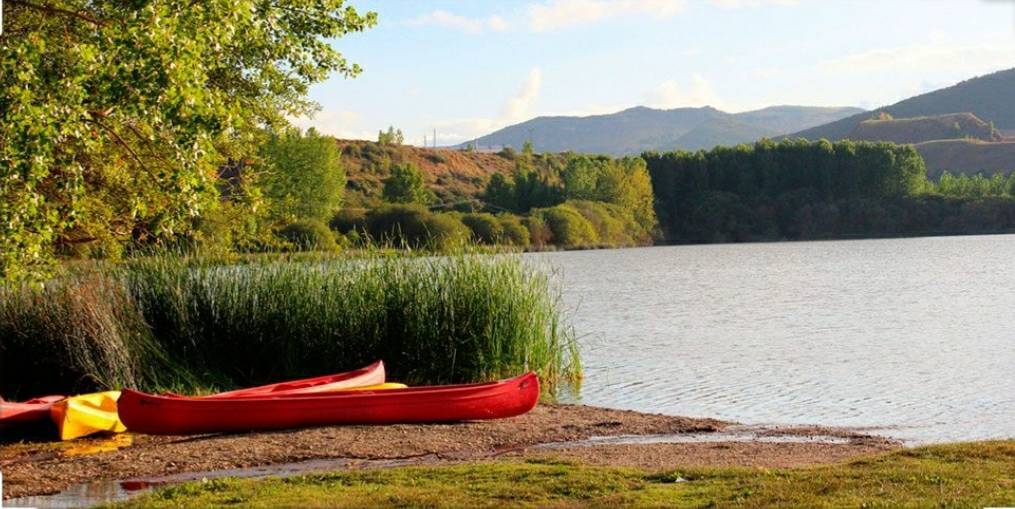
(33, 410)
(157, 415)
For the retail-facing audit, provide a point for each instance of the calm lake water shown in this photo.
(911, 338)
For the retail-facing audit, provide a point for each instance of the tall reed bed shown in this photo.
(195, 323)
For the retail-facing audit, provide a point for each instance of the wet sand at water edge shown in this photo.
(36, 468)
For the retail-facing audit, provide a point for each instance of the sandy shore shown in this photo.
(34, 468)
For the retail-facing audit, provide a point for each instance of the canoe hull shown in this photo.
(144, 413)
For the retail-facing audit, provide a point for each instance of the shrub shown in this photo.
(539, 232)
(445, 232)
(570, 229)
(435, 158)
(485, 227)
(416, 227)
(348, 220)
(405, 184)
(515, 233)
(309, 235)
(615, 226)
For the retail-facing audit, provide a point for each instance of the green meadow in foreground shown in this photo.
(958, 475)
(196, 323)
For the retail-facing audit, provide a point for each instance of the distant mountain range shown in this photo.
(965, 128)
(638, 129)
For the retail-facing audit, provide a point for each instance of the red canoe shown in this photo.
(158, 415)
(362, 377)
(12, 414)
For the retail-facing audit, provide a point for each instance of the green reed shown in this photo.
(200, 323)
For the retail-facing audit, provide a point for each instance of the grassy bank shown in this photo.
(196, 323)
(961, 475)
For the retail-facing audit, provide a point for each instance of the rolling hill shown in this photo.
(990, 97)
(453, 175)
(638, 129)
(923, 129)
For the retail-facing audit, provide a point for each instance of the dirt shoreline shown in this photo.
(39, 468)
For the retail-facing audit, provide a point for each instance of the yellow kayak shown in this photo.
(86, 414)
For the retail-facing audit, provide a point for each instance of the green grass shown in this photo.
(199, 323)
(960, 475)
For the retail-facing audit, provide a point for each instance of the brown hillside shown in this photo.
(967, 156)
(454, 175)
(923, 129)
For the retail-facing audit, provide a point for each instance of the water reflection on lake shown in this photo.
(915, 337)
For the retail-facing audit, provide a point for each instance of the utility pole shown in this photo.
(424, 140)
(434, 137)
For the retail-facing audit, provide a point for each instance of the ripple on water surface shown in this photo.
(913, 335)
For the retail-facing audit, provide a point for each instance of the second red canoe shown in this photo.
(158, 415)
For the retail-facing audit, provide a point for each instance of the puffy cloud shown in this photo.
(559, 14)
(671, 94)
(519, 107)
(465, 24)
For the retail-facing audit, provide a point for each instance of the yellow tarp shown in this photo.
(86, 414)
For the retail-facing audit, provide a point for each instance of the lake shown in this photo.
(910, 338)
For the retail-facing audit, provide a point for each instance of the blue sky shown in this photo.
(467, 68)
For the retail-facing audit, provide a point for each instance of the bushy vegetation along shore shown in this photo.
(198, 323)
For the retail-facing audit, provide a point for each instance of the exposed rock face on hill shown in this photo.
(923, 129)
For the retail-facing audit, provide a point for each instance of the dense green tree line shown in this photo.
(802, 190)
(975, 186)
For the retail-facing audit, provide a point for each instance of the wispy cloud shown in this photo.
(943, 55)
(464, 24)
(560, 14)
(672, 94)
(738, 4)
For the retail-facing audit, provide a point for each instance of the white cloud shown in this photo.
(928, 58)
(517, 108)
(340, 124)
(738, 4)
(671, 94)
(497, 24)
(559, 14)
(465, 24)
